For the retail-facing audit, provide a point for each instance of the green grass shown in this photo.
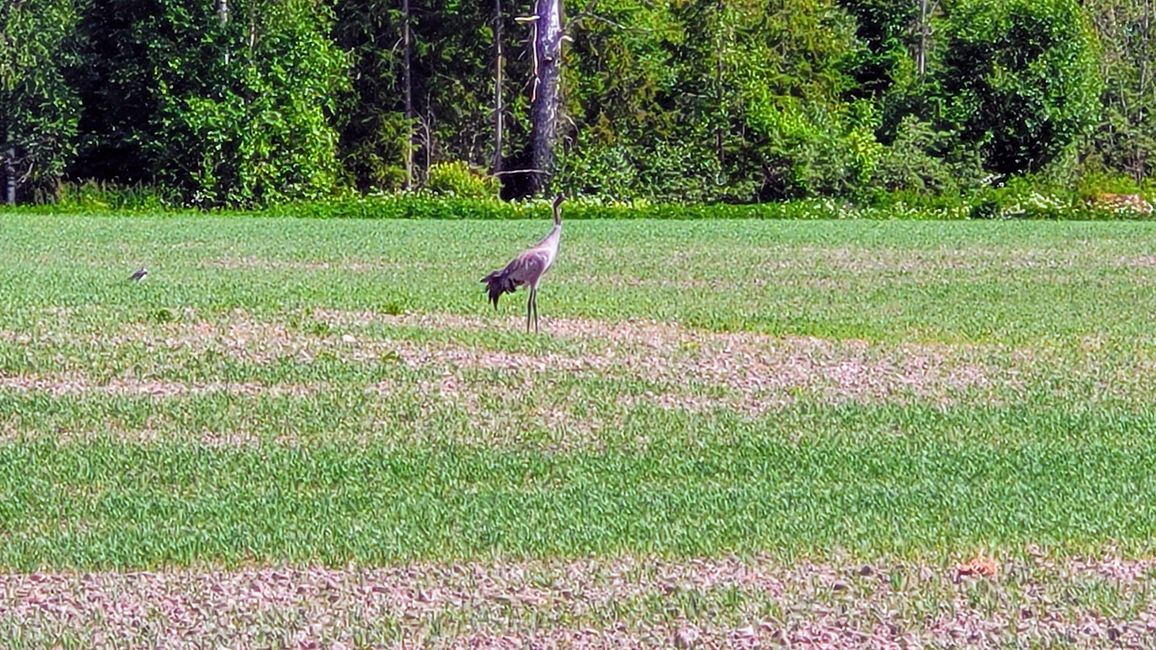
(965, 281)
(112, 505)
(1057, 447)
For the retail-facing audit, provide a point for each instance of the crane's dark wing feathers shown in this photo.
(523, 269)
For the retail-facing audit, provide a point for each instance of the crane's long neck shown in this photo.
(551, 238)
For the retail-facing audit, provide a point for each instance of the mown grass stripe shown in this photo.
(104, 505)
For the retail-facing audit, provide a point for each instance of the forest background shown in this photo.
(256, 103)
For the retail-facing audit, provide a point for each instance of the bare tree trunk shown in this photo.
(499, 118)
(427, 141)
(1139, 162)
(223, 16)
(10, 177)
(720, 43)
(545, 97)
(407, 82)
(921, 55)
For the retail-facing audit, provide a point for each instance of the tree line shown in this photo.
(220, 103)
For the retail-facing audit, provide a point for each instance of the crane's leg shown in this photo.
(529, 308)
(535, 310)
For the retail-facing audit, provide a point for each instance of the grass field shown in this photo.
(728, 433)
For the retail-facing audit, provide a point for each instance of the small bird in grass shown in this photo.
(139, 275)
(528, 268)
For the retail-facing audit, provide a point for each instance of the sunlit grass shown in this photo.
(219, 412)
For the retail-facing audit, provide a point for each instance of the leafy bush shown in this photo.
(39, 110)
(1020, 200)
(1019, 80)
(372, 155)
(914, 162)
(92, 196)
(1027, 198)
(1017, 201)
(244, 121)
(663, 171)
(457, 179)
(807, 150)
(1093, 184)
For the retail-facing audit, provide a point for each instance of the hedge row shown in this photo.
(982, 206)
(412, 207)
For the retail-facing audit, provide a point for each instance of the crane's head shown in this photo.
(558, 209)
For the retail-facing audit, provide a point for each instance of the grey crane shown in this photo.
(528, 268)
(139, 274)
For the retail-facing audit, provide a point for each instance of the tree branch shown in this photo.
(518, 171)
(577, 20)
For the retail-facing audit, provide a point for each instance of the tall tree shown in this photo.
(1019, 80)
(39, 108)
(117, 72)
(499, 109)
(253, 129)
(407, 87)
(1126, 136)
(451, 80)
(545, 90)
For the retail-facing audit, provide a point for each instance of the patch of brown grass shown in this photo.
(680, 368)
(761, 371)
(603, 603)
(75, 384)
(277, 264)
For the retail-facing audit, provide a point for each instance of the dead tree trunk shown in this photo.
(1140, 167)
(720, 43)
(927, 9)
(223, 18)
(499, 118)
(921, 55)
(547, 50)
(407, 82)
(10, 176)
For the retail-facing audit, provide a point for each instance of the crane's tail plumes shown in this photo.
(497, 283)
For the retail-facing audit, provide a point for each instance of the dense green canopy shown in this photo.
(250, 102)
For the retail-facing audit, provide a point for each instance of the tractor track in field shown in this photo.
(597, 603)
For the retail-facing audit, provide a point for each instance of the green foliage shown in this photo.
(887, 30)
(814, 153)
(727, 101)
(672, 172)
(1092, 184)
(642, 103)
(915, 161)
(373, 153)
(1019, 80)
(457, 179)
(673, 101)
(1030, 198)
(418, 207)
(1027, 199)
(1125, 138)
(243, 107)
(1022, 199)
(782, 81)
(1033, 197)
(98, 196)
(39, 110)
(372, 126)
(452, 88)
